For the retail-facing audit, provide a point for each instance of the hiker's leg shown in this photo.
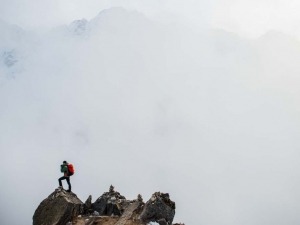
(60, 179)
(69, 183)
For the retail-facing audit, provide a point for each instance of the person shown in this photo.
(66, 176)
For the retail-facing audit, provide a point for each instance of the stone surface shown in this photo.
(159, 209)
(88, 205)
(110, 203)
(131, 213)
(103, 220)
(58, 209)
(111, 208)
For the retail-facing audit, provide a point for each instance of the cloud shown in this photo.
(247, 18)
(254, 18)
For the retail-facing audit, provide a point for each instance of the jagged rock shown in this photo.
(88, 205)
(140, 198)
(78, 27)
(162, 222)
(111, 189)
(110, 203)
(131, 213)
(62, 208)
(159, 209)
(58, 209)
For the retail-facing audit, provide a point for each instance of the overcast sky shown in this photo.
(247, 17)
(152, 100)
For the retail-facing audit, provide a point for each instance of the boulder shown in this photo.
(88, 205)
(159, 209)
(132, 212)
(110, 203)
(58, 208)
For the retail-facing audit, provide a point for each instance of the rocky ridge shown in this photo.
(111, 208)
(59, 208)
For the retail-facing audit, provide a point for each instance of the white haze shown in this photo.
(207, 116)
(245, 17)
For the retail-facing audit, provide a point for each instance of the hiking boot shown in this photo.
(60, 188)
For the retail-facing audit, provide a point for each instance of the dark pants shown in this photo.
(68, 181)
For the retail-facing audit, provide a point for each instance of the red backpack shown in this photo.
(71, 169)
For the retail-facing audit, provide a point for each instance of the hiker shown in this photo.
(64, 168)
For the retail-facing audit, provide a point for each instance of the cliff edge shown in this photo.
(111, 208)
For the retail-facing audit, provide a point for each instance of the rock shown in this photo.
(140, 198)
(88, 205)
(58, 209)
(9, 58)
(78, 27)
(98, 220)
(110, 203)
(159, 209)
(62, 208)
(111, 189)
(131, 213)
(162, 222)
(88, 202)
(95, 213)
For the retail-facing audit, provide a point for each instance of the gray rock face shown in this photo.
(110, 203)
(9, 58)
(159, 209)
(58, 209)
(111, 208)
(78, 27)
(131, 213)
(88, 205)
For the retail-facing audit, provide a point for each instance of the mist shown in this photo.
(206, 115)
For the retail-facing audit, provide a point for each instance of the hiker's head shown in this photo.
(64, 162)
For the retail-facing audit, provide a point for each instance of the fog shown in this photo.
(249, 18)
(207, 115)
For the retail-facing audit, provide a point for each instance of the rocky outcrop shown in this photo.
(159, 209)
(58, 209)
(111, 208)
(110, 203)
(88, 207)
(131, 213)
